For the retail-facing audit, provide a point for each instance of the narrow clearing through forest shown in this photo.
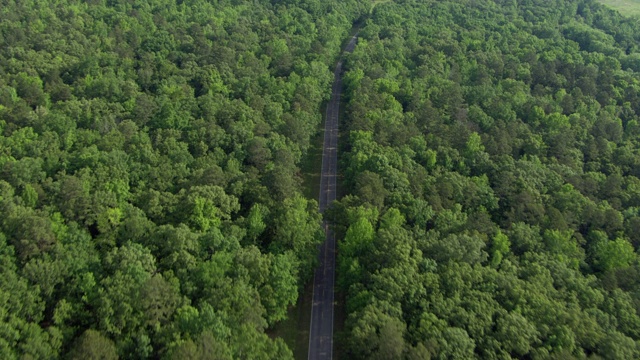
(321, 329)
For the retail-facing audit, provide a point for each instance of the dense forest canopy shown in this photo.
(492, 157)
(150, 189)
(149, 185)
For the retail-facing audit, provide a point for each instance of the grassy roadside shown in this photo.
(312, 164)
(294, 330)
(625, 7)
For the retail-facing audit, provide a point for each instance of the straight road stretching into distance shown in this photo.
(321, 331)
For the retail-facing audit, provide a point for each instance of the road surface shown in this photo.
(321, 331)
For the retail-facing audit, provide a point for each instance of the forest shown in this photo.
(150, 189)
(151, 195)
(491, 166)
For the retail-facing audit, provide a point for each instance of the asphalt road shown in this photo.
(321, 331)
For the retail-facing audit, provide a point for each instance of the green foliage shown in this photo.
(298, 228)
(499, 248)
(357, 240)
(255, 221)
(498, 142)
(94, 346)
(205, 347)
(149, 173)
(611, 254)
(281, 288)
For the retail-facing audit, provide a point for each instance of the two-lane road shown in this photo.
(321, 332)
